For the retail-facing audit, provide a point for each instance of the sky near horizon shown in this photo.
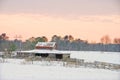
(85, 19)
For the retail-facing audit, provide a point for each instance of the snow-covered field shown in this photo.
(91, 56)
(10, 71)
(14, 69)
(18, 69)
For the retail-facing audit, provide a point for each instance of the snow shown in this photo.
(91, 56)
(110, 57)
(44, 51)
(1, 53)
(10, 71)
(18, 69)
(41, 63)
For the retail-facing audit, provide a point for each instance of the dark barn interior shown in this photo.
(59, 56)
(42, 55)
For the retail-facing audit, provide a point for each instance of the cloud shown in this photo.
(101, 18)
(61, 7)
(86, 27)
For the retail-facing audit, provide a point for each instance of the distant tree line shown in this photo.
(69, 43)
(63, 43)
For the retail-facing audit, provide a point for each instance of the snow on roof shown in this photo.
(43, 51)
(46, 44)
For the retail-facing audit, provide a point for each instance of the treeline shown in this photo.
(63, 43)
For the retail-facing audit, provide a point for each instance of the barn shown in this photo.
(45, 50)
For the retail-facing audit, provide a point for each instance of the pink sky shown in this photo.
(84, 19)
(88, 27)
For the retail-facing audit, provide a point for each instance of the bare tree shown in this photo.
(66, 37)
(56, 38)
(116, 41)
(71, 38)
(106, 39)
(3, 36)
(32, 39)
(45, 38)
